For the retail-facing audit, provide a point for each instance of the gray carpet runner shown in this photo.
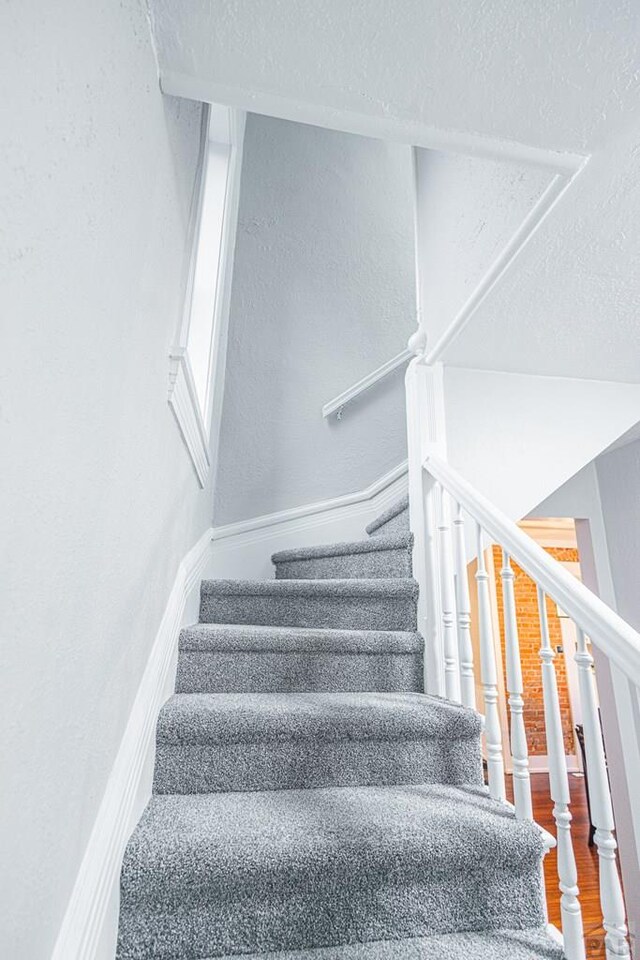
(309, 801)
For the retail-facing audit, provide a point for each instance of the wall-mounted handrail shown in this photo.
(336, 405)
(611, 634)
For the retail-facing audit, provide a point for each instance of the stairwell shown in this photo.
(310, 801)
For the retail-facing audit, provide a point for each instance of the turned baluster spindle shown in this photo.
(489, 677)
(515, 689)
(447, 590)
(463, 604)
(571, 912)
(611, 898)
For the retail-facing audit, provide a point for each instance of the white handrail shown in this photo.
(336, 405)
(611, 634)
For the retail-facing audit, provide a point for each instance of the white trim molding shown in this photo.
(90, 923)
(184, 403)
(197, 362)
(243, 549)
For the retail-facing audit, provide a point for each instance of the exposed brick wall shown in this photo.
(529, 635)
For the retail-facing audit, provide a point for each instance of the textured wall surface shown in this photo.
(323, 293)
(619, 483)
(554, 76)
(98, 499)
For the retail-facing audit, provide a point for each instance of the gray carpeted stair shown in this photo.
(213, 742)
(394, 520)
(380, 556)
(338, 604)
(218, 658)
(310, 802)
(220, 873)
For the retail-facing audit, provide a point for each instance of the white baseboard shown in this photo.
(89, 926)
(244, 549)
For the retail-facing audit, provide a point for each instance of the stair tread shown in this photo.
(227, 843)
(529, 944)
(401, 541)
(329, 717)
(369, 587)
(229, 637)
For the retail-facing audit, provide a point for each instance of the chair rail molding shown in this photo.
(89, 925)
(239, 548)
(197, 361)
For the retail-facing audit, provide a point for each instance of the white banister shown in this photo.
(515, 689)
(570, 910)
(447, 593)
(601, 809)
(463, 605)
(609, 633)
(613, 635)
(489, 675)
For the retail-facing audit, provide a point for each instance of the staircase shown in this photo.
(310, 801)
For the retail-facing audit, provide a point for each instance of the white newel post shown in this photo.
(424, 432)
(463, 604)
(570, 910)
(515, 689)
(611, 898)
(489, 676)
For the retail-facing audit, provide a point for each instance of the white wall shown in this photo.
(518, 437)
(323, 293)
(99, 500)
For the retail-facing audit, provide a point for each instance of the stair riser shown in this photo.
(344, 612)
(311, 912)
(257, 672)
(184, 768)
(397, 524)
(375, 564)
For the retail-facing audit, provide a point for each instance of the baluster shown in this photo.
(611, 898)
(451, 673)
(463, 604)
(519, 750)
(559, 785)
(492, 731)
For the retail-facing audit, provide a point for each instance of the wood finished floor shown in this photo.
(586, 860)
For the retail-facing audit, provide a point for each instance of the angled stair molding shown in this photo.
(240, 548)
(86, 926)
(336, 405)
(558, 186)
(184, 403)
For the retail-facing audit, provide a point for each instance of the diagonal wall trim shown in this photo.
(503, 262)
(127, 792)
(308, 510)
(184, 403)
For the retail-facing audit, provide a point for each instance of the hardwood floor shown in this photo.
(586, 860)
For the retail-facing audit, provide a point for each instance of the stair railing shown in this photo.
(610, 633)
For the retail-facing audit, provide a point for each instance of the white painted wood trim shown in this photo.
(335, 405)
(126, 793)
(184, 403)
(201, 432)
(608, 631)
(393, 482)
(398, 129)
(503, 262)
